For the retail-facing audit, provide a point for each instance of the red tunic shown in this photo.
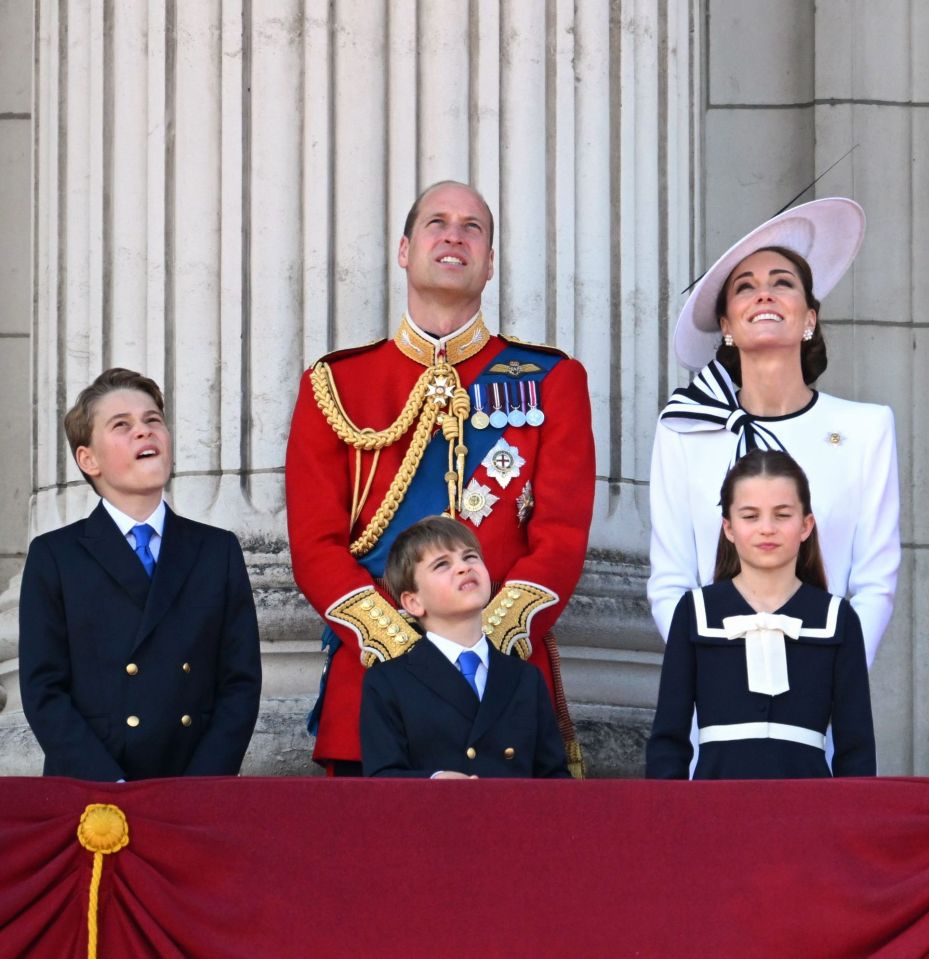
(548, 548)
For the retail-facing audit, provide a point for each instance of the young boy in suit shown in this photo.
(453, 707)
(138, 636)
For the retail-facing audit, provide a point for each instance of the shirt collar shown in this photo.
(125, 523)
(424, 348)
(452, 650)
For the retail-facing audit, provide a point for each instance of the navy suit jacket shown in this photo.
(124, 677)
(419, 716)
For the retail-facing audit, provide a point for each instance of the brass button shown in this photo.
(132, 669)
(471, 753)
(186, 720)
(509, 752)
(132, 721)
(186, 667)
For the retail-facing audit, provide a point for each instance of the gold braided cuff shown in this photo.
(383, 633)
(509, 613)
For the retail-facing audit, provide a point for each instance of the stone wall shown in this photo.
(219, 188)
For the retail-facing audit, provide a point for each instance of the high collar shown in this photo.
(428, 350)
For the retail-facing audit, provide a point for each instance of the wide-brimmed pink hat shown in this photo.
(827, 233)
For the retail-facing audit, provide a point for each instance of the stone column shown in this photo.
(220, 190)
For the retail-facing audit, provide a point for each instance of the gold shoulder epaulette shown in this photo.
(542, 347)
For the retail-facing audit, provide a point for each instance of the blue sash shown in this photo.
(427, 494)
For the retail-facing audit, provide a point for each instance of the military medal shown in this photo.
(534, 416)
(503, 462)
(498, 418)
(479, 419)
(515, 415)
(476, 502)
(525, 503)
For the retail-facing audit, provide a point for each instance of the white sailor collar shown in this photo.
(818, 610)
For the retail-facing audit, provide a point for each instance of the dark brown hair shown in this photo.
(414, 209)
(79, 420)
(813, 359)
(410, 546)
(772, 463)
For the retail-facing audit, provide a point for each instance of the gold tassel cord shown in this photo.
(327, 398)
(437, 388)
(461, 410)
(103, 830)
(398, 487)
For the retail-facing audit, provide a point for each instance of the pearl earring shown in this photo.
(808, 334)
(728, 340)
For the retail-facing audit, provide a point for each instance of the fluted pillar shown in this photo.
(220, 189)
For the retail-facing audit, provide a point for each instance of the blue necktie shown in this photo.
(143, 535)
(468, 663)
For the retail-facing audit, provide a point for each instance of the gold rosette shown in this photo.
(103, 830)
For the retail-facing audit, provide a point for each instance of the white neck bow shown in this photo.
(765, 651)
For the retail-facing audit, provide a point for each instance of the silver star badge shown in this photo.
(439, 390)
(503, 462)
(476, 502)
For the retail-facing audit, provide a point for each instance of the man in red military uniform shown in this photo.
(444, 417)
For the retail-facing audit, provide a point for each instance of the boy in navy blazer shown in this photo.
(453, 707)
(138, 647)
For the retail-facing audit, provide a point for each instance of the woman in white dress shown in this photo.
(750, 327)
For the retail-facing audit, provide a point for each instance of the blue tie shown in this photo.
(143, 534)
(468, 663)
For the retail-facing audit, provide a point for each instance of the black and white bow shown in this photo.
(711, 403)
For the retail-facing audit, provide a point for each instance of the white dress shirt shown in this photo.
(452, 650)
(125, 524)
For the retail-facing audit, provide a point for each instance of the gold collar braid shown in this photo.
(437, 398)
(456, 348)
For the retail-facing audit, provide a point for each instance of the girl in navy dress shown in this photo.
(767, 656)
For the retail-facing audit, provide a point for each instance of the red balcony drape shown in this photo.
(226, 868)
